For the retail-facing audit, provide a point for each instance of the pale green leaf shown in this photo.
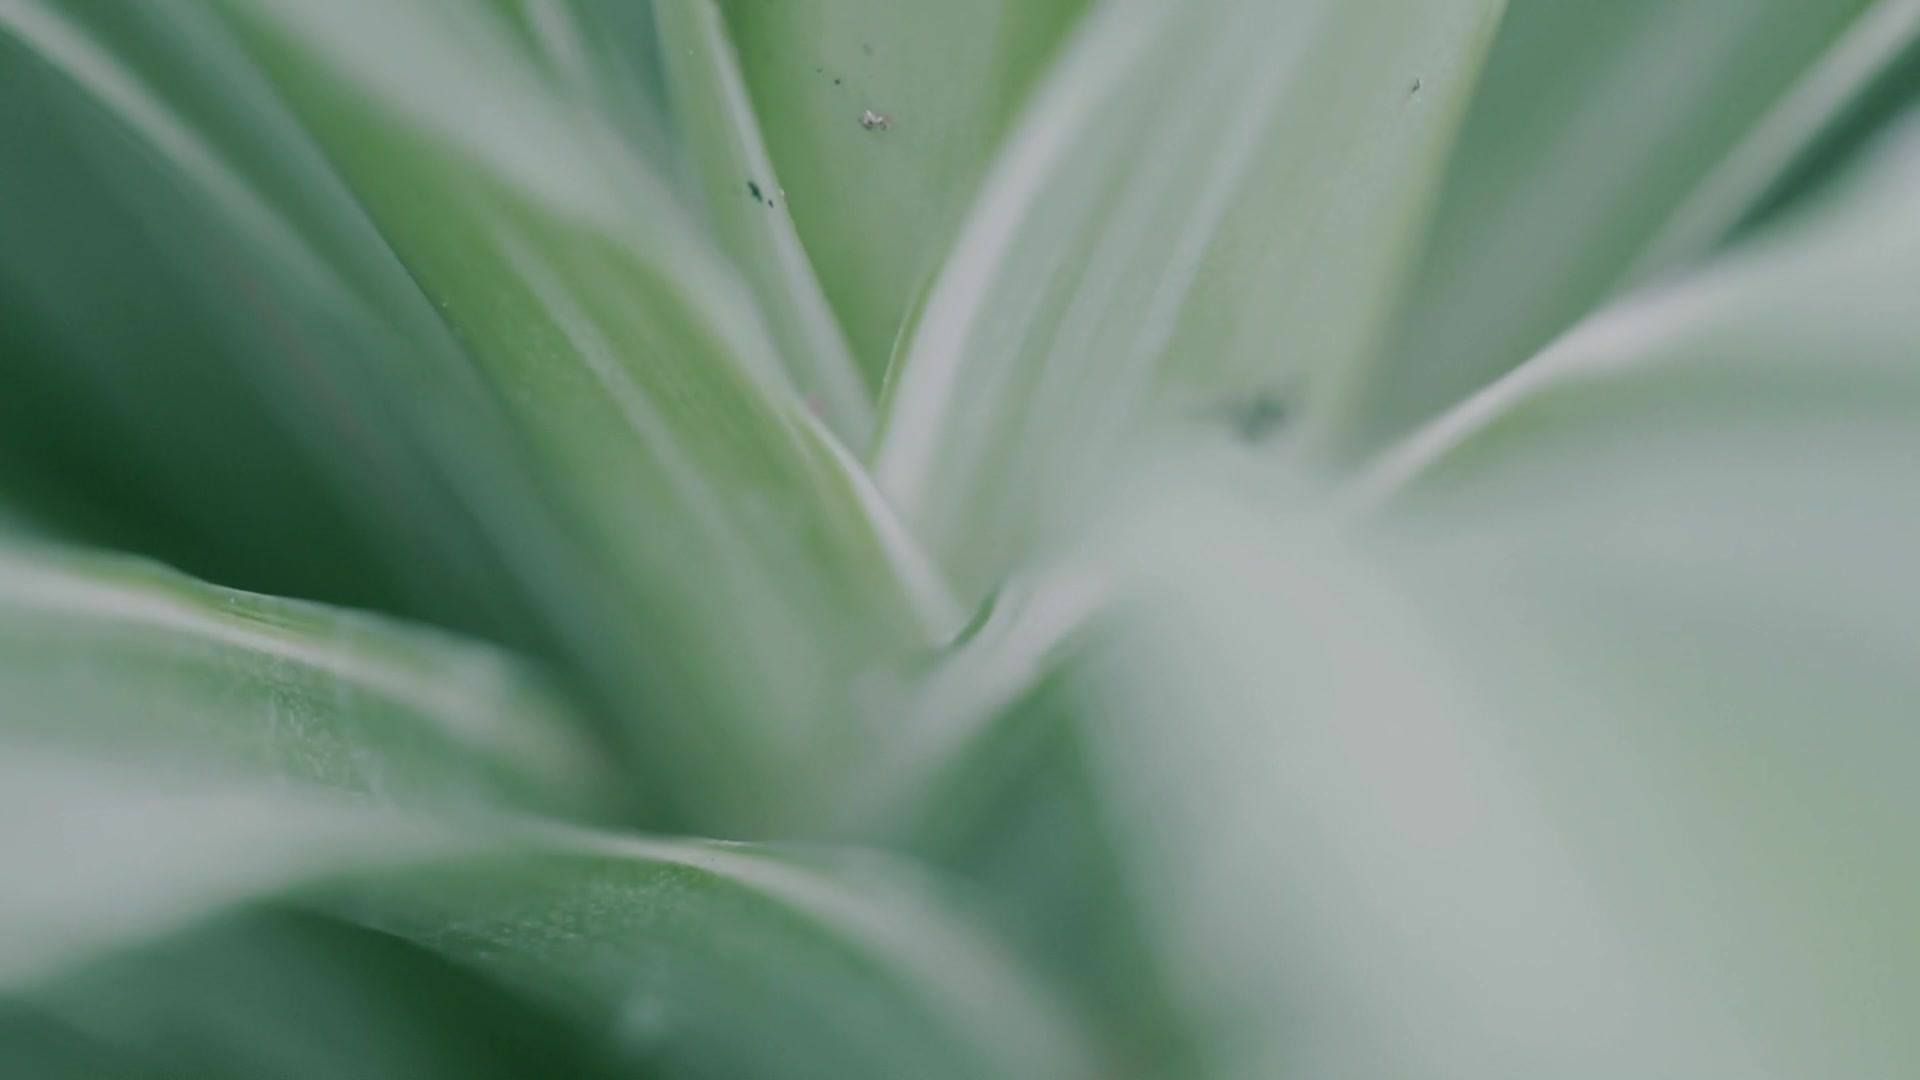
(1865, 76)
(130, 661)
(607, 54)
(1587, 752)
(728, 960)
(1198, 223)
(749, 210)
(563, 391)
(642, 382)
(876, 200)
(1595, 122)
(102, 854)
(711, 958)
(988, 776)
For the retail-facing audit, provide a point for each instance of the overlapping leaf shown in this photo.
(559, 384)
(128, 661)
(879, 118)
(641, 381)
(1197, 223)
(750, 212)
(1862, 81)
(171, 751)
(264, 992)
(663, 952)
(203, 340)
(1567, 757)
(1594, 125)
(1573, 742)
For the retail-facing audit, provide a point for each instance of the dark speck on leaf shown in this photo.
(1258, 418)
(753, 189)
(1415, 88)
(836, 82)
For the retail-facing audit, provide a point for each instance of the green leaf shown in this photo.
(126, 660)
(171, 751)
(988, 777)
(875, 202)
(1587, 750)
(606, 54)
(239, 414)
(664, 951)
(1196, 225)
(1594, 124)
(1806, 320)
(269, 992)
(485, 317)
(102, 854)
(633, 367)
(1369, 884)
(749, 211)
(832, 963)
(1862, 81)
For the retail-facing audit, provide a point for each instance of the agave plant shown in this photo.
(1042, 538)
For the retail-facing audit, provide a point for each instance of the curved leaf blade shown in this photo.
(1123, 269)
(1592, 125)
(662, 951)
(749, 209)
(1864, 78)
(875, 200)
(570, 399)
(128, 660)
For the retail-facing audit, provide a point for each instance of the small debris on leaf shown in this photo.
(753, 189)
(875, 121)
(1254, 419)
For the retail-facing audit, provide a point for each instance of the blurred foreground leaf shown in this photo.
(1587, 750)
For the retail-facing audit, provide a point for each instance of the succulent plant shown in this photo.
(1040, 538)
